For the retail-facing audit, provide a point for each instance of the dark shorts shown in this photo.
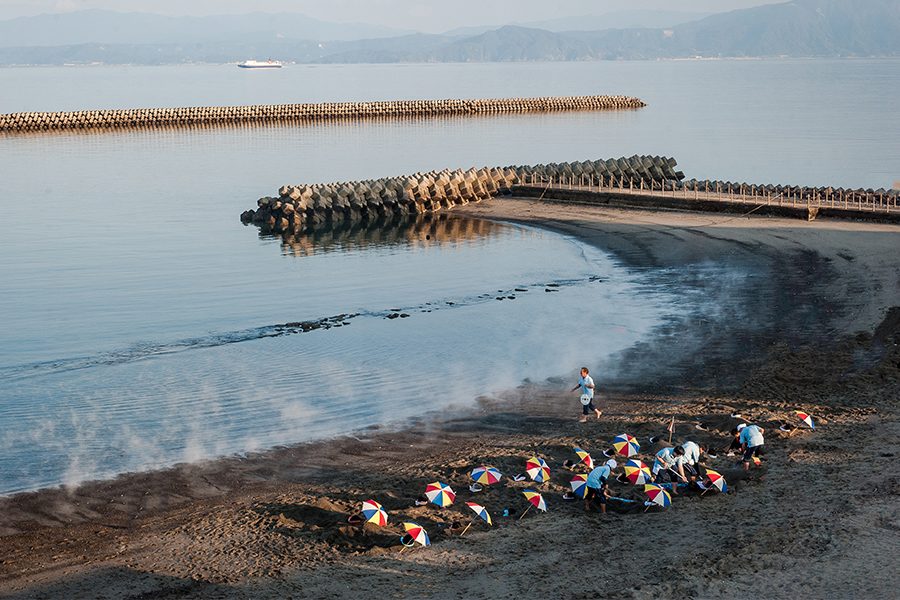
(595, 495)
(665, 476)
(588, 408)
(690, 470)
(756, 450)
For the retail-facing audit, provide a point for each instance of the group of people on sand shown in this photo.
(672, 465)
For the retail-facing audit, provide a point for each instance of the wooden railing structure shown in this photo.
(736, 194)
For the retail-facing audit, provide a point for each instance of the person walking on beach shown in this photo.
(752, 443)
(587, 395)
(598, 486)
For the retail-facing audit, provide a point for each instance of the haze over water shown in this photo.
(136, 315)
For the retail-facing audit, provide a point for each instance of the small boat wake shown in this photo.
(260, 64)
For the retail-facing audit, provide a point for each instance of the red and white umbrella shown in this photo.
(482, 513)
(534, 499)
(373, 512)
(579, 485)
(584, 457)
(440, 494)
(717, 481)
(538, 469)
(637, 472)
(657, 495)
(416, 533)
(485, 475)
(626, 445)
(806, 418)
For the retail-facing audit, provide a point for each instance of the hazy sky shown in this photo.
(423, 15)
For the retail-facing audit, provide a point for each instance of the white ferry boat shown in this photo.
(260, 64)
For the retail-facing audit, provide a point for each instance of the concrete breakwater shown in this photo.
(326, 111)
(720, 196)
(299, 208)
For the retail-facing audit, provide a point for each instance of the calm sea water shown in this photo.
(139, 318)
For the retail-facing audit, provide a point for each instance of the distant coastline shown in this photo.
(798, 29)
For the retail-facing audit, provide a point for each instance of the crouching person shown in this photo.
(752, 443)
(665, 467)
(598, 486)
(688, 464)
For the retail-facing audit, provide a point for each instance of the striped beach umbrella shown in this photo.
(637, 472)
(584, 457)
(626, 445)
(485, 475)
(440, 494)
(534, 499)
(717, 481)
(417, 533)
(538, 469)
(806, 418)
(657, 495)
(481, 511)
(373, 512)
(579, 485)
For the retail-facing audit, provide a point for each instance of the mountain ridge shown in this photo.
(798, 28)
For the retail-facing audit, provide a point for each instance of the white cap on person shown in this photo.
(612, 464)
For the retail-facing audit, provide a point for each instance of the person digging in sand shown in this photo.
(752, 443)
(587, 395)
(688, 464)
(735, 444)
(664, 467)
(598, 486)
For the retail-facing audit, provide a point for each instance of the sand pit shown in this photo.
(807, 326)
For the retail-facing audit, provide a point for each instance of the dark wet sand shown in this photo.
(802, 321)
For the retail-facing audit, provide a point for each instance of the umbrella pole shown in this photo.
(466, 529)
(706, 490)
(647, 507)
(402, 550)
(524, 513)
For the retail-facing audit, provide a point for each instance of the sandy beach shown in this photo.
(807, 317)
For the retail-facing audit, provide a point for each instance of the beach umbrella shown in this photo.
(538, 469)
(626, 445)
(579, 485)
(806, 418)
(534, 499)
(440, 494)
(584, 457)
(373, 512)
(485, 475)
(637, 472)
(417, 533)
(757, 461)
(717, 481)
(482, 513)
(657, 495)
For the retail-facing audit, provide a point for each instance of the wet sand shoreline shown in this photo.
(268, 525)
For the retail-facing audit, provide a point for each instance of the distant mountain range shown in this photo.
(800, 28)
(622, 19)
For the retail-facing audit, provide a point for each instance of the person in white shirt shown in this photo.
(688, 464)
(664, 467)
(753, 443)
(587, 395)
